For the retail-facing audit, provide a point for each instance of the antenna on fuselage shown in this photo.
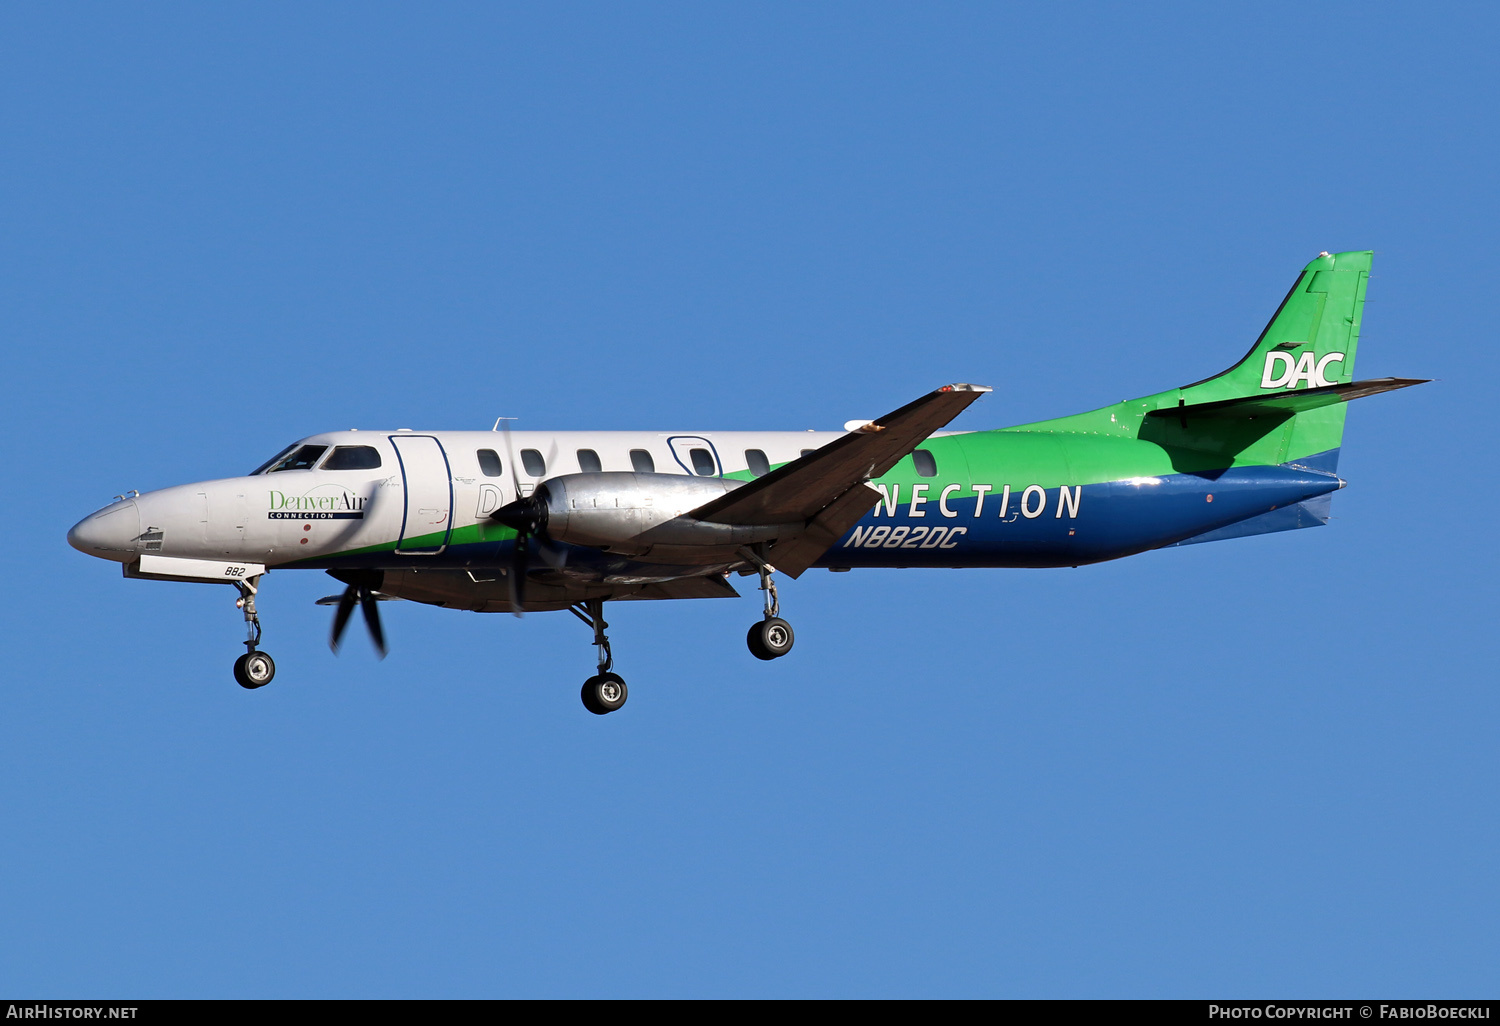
(499, 419)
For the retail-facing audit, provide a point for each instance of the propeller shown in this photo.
(528, 518)
(362, 586)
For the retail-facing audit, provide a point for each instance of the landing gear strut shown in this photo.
(772, 637)
(605, 691)
(254, 669)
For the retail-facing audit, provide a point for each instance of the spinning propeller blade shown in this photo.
(528, 518)
(341, 616)
(371, 609)
(361, 589)
(520, 558)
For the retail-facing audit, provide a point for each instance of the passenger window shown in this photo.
(489, 463)
(588, 461)
(533, 462)
(353, 457)
(759, 465)
(303, 458)
(703, 462)
(808, 452)
(925, 464)
(641, 460)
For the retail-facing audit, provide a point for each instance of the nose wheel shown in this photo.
(255, 668)
(605, 692)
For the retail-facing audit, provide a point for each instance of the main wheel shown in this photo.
(770, 639)
(604, 693)
(254, 670)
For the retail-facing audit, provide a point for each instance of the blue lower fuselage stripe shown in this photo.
(1071, 526)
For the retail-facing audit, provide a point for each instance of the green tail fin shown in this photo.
(1283, 403)
(1309, 343)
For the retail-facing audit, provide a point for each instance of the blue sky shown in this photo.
(1260, 767)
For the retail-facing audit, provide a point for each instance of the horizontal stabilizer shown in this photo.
(1286, 404)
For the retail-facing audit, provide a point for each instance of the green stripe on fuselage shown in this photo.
(470, 534)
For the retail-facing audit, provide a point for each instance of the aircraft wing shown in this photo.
(794, 555)
(826, 488)
(712, 586)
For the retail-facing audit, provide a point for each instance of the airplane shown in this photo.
(522, 521)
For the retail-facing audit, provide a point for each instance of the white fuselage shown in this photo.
(430, 489)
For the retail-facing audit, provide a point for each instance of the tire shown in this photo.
(587, 695)
(770, 639)
(254, 670)
(604, 693)
(752, 639)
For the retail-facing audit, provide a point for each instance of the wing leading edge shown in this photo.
(826, 489)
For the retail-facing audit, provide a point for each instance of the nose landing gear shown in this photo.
(254, 669)
(772, 637)
(604, 692)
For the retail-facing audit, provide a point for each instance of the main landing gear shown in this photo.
(772, 637)
(254, 669)
(605, 691)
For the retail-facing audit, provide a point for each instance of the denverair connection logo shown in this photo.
(325, 502)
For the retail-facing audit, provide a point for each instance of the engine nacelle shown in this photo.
(624, 511)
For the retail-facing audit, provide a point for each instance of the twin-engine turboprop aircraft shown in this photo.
(503, 521)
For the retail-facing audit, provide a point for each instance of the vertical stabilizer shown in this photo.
(1311, 340)
(1253, 413)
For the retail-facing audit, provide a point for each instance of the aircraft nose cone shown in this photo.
(110, 533)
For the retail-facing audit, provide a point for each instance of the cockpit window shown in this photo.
(272, 461)
(300, 458)
(353, 457)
